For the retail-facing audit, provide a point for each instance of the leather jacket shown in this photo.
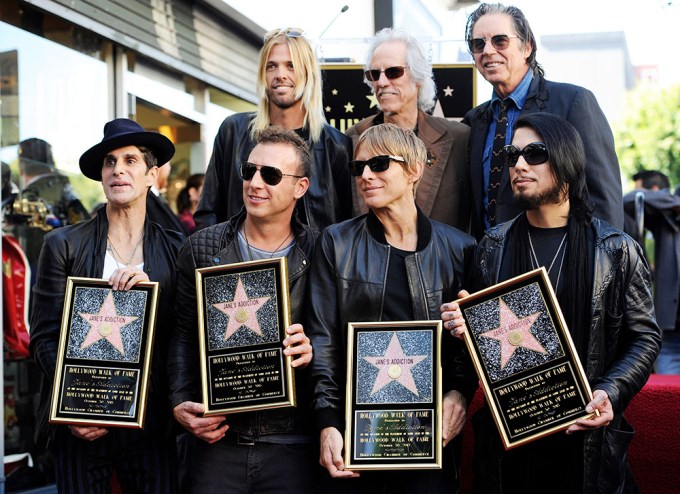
(623, 340)
(347, 284)
(328, 199)
(80, 250)
(214, 246)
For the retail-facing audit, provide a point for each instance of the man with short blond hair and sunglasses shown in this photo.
(504, 51)
(289, 95)
(268, 450)
(400, 77)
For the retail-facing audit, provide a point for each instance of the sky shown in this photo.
(649, 25)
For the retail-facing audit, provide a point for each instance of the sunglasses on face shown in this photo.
(270, 175)
(499, 42)
(291, 32)
(534, 154)
(376, 164)
(390, 73)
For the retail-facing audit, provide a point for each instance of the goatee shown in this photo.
(528, 202)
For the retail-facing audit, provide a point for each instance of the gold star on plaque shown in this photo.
(395, 366)
(349, 108)
(514, 332)
(106, 324)
(448, 91)
(334, 92)
(242, 311)
(372, 99)
(328, 109)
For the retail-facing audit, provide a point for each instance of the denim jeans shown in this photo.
(263, 468)
(668, 361)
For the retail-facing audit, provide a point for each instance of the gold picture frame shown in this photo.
(104, 355)
(243, 313)
(531, 375)
(394, 396)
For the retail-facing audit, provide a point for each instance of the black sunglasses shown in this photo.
(499, 42)
(390, 73)
(534, 154)
(270, 175)
(376, 164)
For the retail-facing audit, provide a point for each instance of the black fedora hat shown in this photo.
(119, 133)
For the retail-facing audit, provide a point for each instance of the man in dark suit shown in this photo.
(661, 210)
(504, 50)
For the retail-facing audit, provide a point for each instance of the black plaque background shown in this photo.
(424, 415)
(539, 400)
(272, 387)
(101, 411)
(346, 97)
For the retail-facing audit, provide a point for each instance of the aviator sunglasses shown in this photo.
(390, 73)
(376, 164)
(499, 42)
(291, 32)
(534, 154)
(270, 175)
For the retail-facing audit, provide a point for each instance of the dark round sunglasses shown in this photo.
(270, 175)
(534, 154)
(390, 73)
(499, 42)
(376, 164)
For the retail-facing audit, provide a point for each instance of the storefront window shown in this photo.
(55, 94)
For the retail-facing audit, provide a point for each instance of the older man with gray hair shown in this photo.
(400, 76)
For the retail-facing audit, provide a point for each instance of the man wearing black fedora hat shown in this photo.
(121, 245)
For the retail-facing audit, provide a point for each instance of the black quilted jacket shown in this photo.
(214, 246)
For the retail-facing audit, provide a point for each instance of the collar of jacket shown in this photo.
(375, 228)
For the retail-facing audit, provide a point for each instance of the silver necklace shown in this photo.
(534, 259)
(250, 250)
(112, 249)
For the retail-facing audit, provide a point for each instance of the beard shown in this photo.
(279, 102)
(528, 202)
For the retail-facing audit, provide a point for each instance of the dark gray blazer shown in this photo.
(575, 104)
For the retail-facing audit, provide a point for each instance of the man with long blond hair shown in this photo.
(289, 90)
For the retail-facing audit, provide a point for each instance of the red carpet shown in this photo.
(654, 454)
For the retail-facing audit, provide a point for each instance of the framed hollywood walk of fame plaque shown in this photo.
(394, 397)
(243, 313)
(523, 353)
(104, 356)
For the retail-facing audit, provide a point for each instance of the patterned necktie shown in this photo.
(496, 167)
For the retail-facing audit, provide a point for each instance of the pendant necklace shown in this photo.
(250, 250)
(114, 252)
(534, 259)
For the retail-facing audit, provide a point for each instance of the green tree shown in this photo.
(648, 137)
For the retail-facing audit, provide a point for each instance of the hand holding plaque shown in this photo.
(243, 315)
(531, 375)
(104, 355)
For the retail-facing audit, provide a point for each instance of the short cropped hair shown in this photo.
(278, 135)
(651, 178)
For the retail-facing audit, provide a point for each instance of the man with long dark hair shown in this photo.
(603, 287)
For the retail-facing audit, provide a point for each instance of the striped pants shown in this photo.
(143, 463)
